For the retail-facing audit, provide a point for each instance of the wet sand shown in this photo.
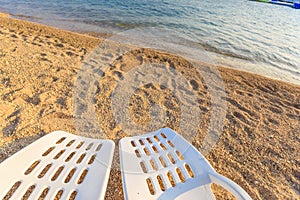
(258, 147)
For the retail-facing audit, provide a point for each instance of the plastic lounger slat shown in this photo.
(52, 162)
(181, 172)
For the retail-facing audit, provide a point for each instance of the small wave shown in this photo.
(27, 17)
(118, 24)
(213, 49)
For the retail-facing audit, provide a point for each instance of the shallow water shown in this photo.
(247, 35)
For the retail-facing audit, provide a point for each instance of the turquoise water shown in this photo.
(247, 35)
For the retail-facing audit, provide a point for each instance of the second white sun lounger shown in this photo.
(163, 165)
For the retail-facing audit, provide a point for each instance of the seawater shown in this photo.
(247, 35)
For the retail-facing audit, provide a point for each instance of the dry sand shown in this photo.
(259, 146)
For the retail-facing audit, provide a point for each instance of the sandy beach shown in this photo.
(259, 145)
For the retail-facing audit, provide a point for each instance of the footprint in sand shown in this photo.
(11, 127)
(62, 101)
(243, 118)
(35, 100)
(273, 121)
(194, 84)
(275, 110)
(6, 82)
(14, 36)
(59, 45)
(14, 120)
(9, 96)
(292, 116)
(71, 53)
(44, 58)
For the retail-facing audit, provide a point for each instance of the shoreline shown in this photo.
(39, 65)
(215, 53)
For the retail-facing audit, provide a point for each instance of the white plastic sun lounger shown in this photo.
(58, 166)
(163, 165)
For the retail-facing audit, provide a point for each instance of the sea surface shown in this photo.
(247, 35)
